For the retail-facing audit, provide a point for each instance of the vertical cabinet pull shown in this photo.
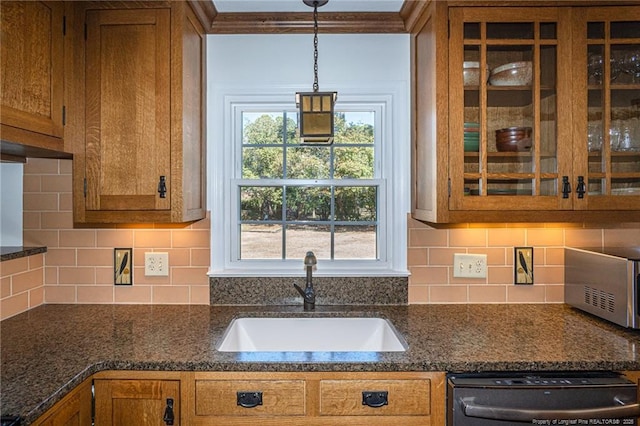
(581, 188)
(162, 187)
(375, 399)
(566, 187)
(168, 417)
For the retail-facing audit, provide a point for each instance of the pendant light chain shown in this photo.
(315, 46)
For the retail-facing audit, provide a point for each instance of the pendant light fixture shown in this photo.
(316, 108)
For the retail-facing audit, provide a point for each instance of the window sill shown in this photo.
(326, 272)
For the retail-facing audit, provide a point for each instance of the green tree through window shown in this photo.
(295, 198)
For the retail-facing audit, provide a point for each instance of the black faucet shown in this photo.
(308, 294)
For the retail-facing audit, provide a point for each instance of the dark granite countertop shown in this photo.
(11, 252)
(51, 349)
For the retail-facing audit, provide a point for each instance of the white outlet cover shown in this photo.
(156, 264)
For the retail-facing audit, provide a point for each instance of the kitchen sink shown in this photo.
(325, 334)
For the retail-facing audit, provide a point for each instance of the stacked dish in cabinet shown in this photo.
(471, 137)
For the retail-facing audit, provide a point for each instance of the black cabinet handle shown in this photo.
(162, 187)
(566, 187)
(168, 417)
(249, 399)
(375, 399)
(581, 189)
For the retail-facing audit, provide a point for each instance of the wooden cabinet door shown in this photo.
(128, 109)
(485, 175)
(135, 402)
(606, 81)
(32, 72)
(72, 410)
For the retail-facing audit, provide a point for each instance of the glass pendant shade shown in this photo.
(316, 112)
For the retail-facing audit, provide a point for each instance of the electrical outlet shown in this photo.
(469, 265)
(156, 264)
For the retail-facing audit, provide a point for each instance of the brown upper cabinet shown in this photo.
(31, 99)
(551, 138)
(139, 135)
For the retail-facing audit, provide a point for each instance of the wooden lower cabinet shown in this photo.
(126, 398)
(632, 375)
(314, 398)
(150, 401)
(73, 410)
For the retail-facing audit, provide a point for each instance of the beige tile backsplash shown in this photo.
(430, 259)
(21, 285)
(79, 262)
(78, 266)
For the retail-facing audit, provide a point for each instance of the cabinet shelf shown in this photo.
(616, 86)
(616, 154)
(508, 176)
(508, 156)
(615, 175)
(505, 96)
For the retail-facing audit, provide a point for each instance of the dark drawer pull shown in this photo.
(249, 399)
(375, 399)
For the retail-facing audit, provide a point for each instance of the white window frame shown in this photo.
(392, 157)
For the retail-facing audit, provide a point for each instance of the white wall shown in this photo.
(272, 68)
(283, 64)
(11, 204)
(283, 61)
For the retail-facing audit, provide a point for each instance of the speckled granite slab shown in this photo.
(9, 253)
(329, 290)
(51, 349)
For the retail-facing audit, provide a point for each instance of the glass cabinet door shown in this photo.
(510, 92)
(608, 72)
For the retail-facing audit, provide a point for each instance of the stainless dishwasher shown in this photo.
(554, 398)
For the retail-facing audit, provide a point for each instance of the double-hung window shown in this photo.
(282, 198)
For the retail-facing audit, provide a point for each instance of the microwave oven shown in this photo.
(604, 282)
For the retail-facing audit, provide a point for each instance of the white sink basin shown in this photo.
(342, 334)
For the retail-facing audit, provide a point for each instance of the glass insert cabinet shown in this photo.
(544, 108)
(607, 111)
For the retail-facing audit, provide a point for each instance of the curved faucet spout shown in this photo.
(310, 260)
(308, 294)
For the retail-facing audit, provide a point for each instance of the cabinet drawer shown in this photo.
(345, 397)
(279, 397)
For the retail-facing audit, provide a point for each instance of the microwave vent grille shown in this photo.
(599, 299)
